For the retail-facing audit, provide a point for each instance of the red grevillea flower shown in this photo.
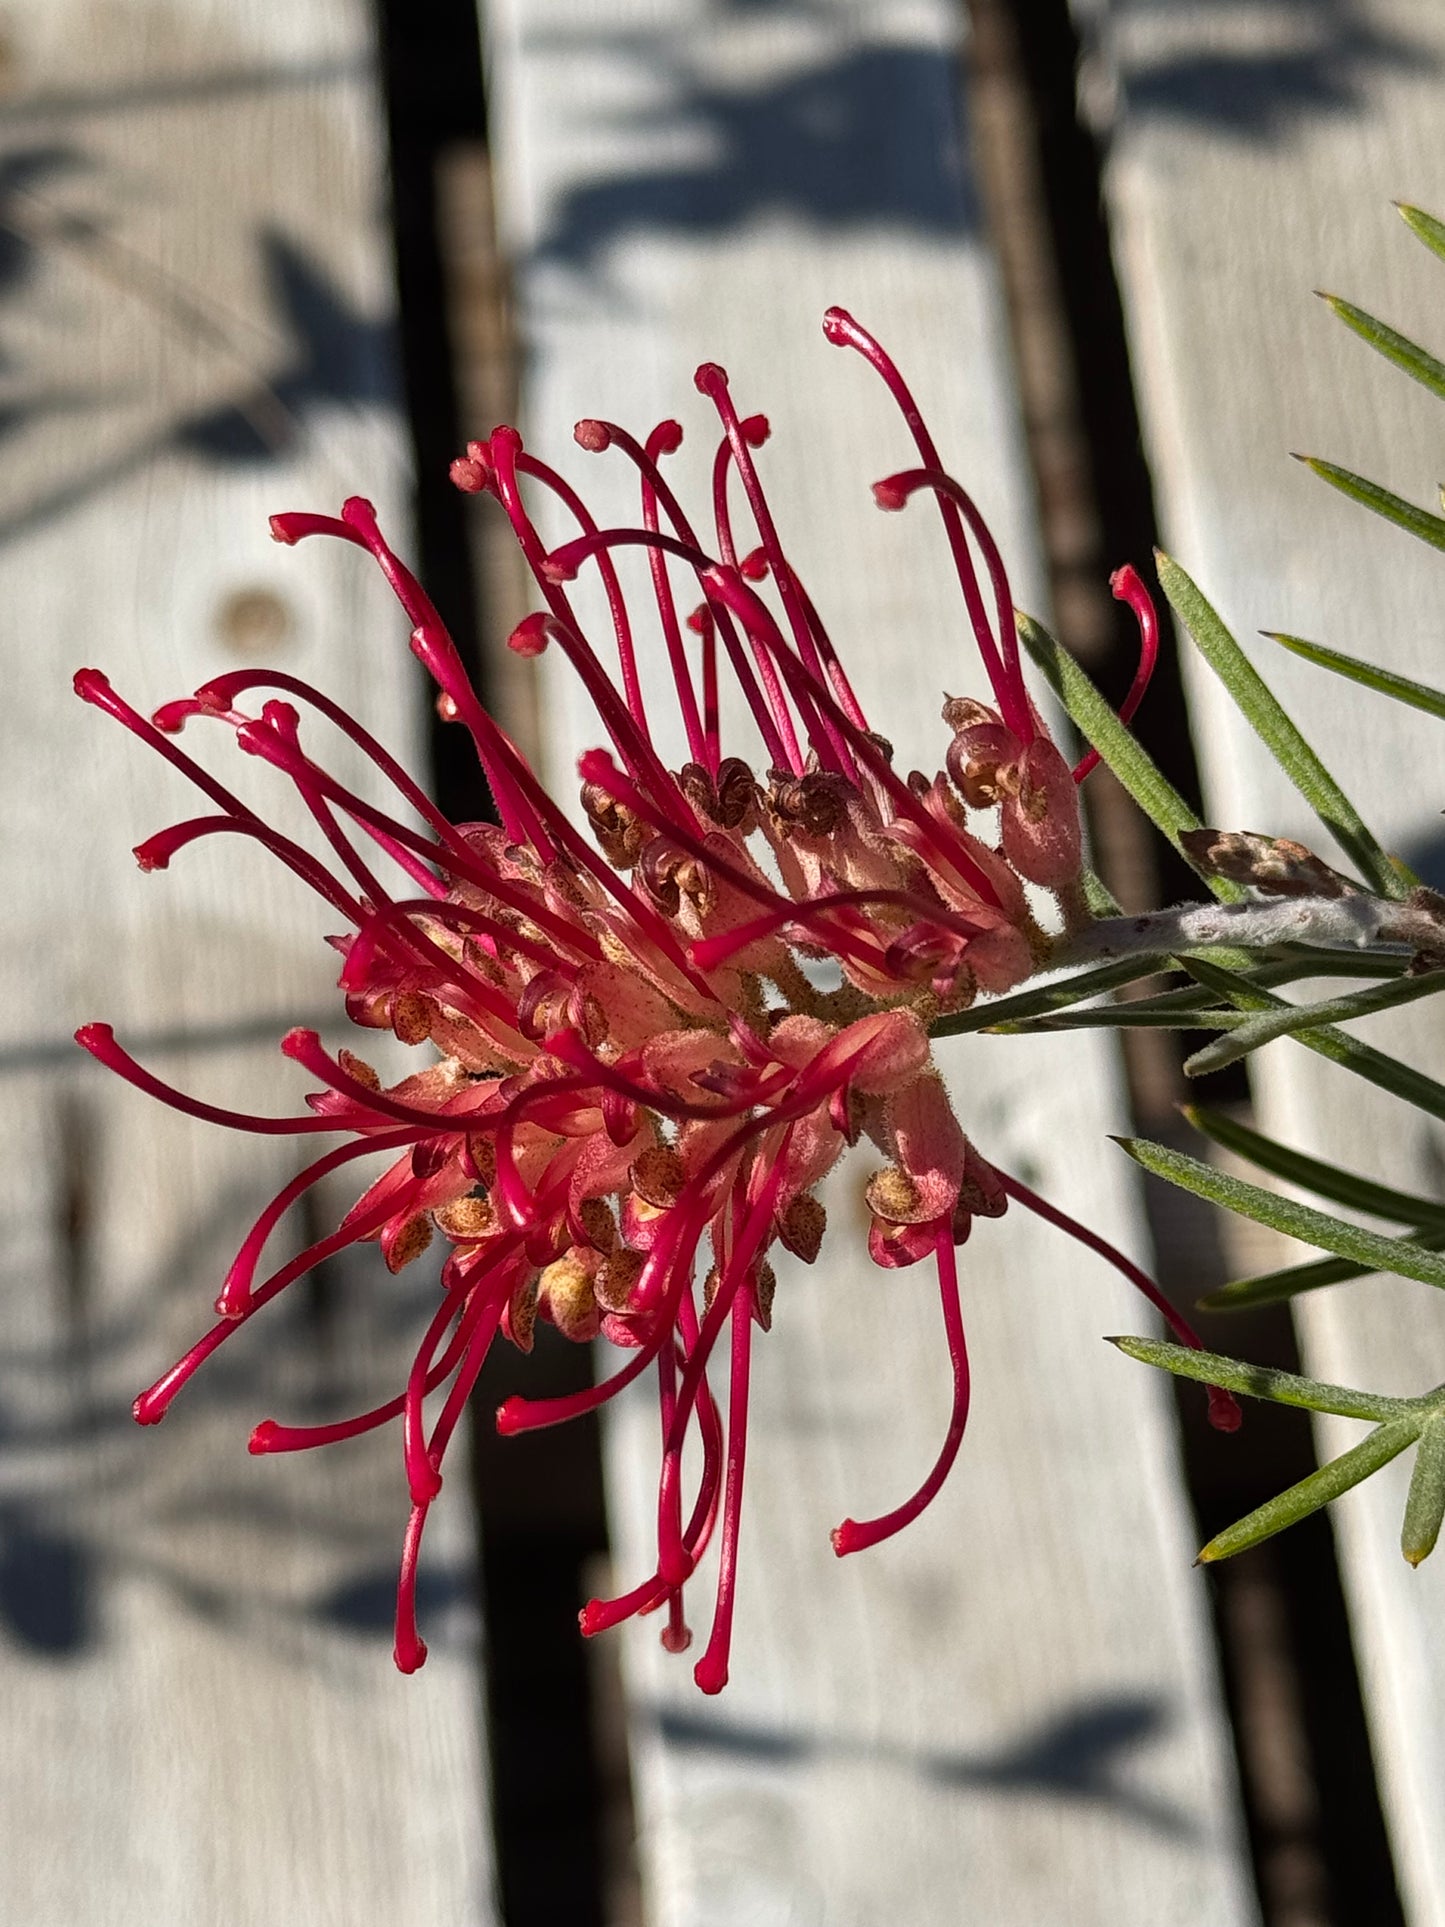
(637, 1084)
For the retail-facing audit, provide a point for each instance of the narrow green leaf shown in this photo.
(1402, 1080)
(1406, 354)
(1313, 1174)
(1141, 1013)
(1311, 1227)
(1261, 709)
(1192, 1007)
(1292, 961)
(1098, 897)
(1101, 728)
(1263, 1029)
(1424, 226)
(1386, 1442)
(1047, 997)
(1273, 1287)
(1261, 1381)
(1403, 688)
(1425, 1507)
(1415, 521)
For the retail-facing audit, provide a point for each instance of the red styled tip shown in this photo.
(171, 718)
(532, 634)
(677, 1639)
(358, 513)
(300, 1044)
(846, 1538)
(839, 327)
(296, 525)
(511, 1416)
(1224, 1412)
(151, 1407)
(888, 495)
(710, 379)
(592, 435)
(409, 1653)
(711, 1674)
(153, 854)
(755, 430)
(262, 1438)
(469, 475)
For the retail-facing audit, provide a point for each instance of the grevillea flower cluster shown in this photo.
(636, 1083)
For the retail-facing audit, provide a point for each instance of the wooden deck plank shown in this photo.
(1011, 1713)
(202, 1721)
(1254, 155)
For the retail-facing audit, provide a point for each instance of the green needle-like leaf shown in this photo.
(1406, 354)
(1425, 1507)
(1403, 688)
(1268, 1025)
(1311, 1227)
(1101, 728)
(1142, 1013)
(1273, 1287)
(1424, 226)
(1425, 1093)
(1048, 997)
(1262, 1381)
(1313, 1174)
(1027, 1014)
(1384, 1443)
(1415, 521)
(1261, 709)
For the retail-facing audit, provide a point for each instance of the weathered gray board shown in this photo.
(1255, 151)
(1010, 1714)
(201, 1721)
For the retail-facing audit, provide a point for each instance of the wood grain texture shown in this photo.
(1010, 1714)
(201, 1718)
(1255, 151)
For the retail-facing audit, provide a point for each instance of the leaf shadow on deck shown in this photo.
(1255, 72)
(870, 137)
(1077, 1754)
(302, 344)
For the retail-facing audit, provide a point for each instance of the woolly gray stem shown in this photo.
(1356, 921)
